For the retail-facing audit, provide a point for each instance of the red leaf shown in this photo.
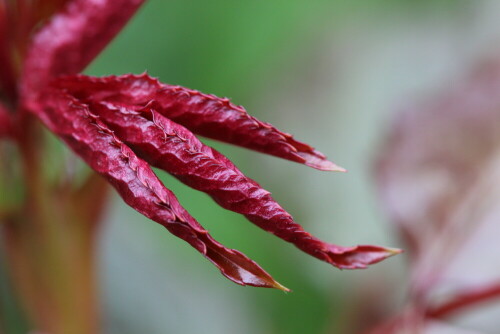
(73, 38)
(175, 149)
(139, 187)
(203, 114)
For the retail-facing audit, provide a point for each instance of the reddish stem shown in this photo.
(50, 242)
(464, 300)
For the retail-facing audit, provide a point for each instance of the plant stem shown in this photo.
(49, 246)
(465, 300)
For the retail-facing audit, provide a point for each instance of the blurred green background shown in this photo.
(330, 72)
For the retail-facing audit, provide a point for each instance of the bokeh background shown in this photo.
(330, 72)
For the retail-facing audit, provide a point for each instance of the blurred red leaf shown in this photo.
(439, 181)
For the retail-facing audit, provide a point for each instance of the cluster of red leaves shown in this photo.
(121, 126)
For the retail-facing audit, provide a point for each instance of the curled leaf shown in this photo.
(203, 114)
(139, 187)
(175, 149)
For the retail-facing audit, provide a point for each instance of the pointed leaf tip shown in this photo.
(235, 266)
(319, 162)
(359, 257)
(281, 287)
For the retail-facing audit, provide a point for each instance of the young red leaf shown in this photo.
(176, 150)
(203, 114)
(73, 38)
(139, 187)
